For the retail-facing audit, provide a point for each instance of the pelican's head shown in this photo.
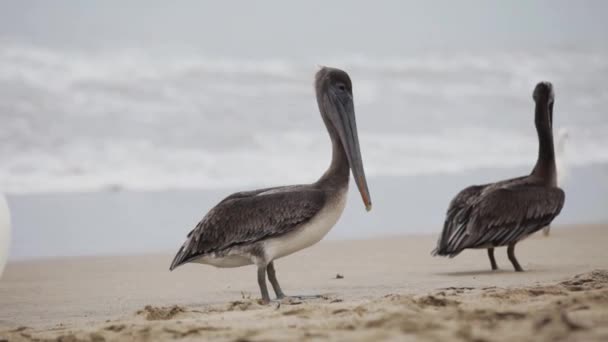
(335, 98)
(544, 97)
(544, 92)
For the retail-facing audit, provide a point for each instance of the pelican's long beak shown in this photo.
(347, 130)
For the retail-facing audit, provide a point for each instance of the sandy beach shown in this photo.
(383, 288)
(126, 126)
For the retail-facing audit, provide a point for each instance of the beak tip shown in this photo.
(368, 207)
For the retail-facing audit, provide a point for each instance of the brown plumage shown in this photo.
(247, 217)
(505, 212)
(259, 226)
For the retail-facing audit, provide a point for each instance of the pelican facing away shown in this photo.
(5, 232)
(503, 213)
(259, 226)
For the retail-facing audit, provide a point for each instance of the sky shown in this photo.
(302, 28)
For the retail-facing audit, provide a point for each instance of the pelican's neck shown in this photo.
(545, 164)
(338, 172)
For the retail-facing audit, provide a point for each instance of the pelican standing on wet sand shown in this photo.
(504, 213)
(5, 232)
(260, 226)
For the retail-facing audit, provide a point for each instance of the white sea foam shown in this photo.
(74, 121)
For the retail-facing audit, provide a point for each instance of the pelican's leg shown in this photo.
(262, 283)
(492, 260)
(272, 276)
(511, 254)
(546, 230)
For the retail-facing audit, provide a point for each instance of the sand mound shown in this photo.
(597, 279)
(244, 305)
(152, 313)
(573, 309)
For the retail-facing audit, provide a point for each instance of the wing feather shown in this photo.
(500, 216)
(457, 210)
(248, 217)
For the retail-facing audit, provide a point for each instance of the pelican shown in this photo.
(562, 163)
(257, 227)
(503, 213)
(5, 232)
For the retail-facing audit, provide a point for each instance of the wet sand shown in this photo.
(383, 288)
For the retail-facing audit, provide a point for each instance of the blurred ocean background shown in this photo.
(121, 124)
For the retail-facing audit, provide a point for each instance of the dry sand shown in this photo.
(391, 289)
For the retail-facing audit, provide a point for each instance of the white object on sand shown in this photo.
(562, 155)
(5, 232)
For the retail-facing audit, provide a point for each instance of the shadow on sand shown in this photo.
(489, 272)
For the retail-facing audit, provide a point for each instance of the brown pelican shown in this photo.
(5, 232)
(503, 213)
(259, 226)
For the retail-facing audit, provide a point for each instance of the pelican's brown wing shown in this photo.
(248, 217)
(456, 215)
(504, 216)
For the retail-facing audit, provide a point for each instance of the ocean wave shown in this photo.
(89, 121)
(289, 157)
